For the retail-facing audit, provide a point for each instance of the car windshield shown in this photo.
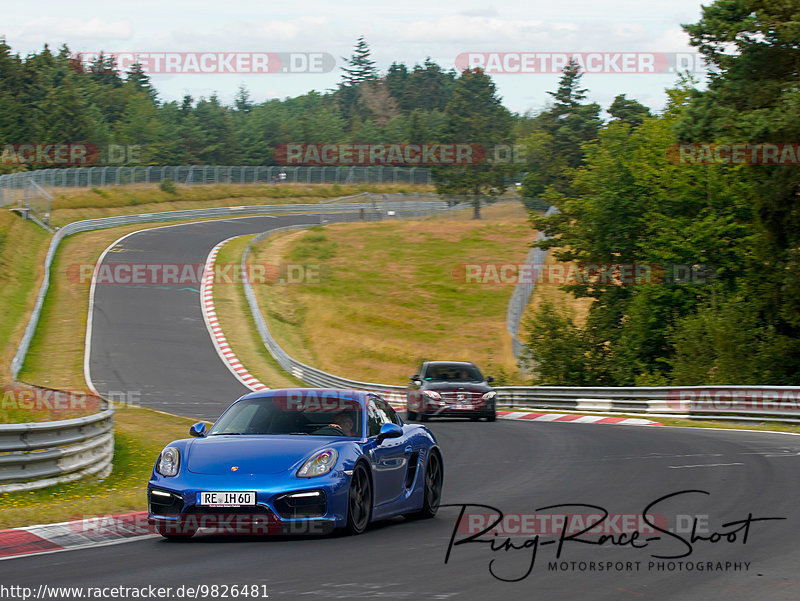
(453, 373)
(302, 413)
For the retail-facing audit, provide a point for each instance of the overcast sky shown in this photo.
(403, 31)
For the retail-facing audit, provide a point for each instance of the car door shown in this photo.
(390, 458)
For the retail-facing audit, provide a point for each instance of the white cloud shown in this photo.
(56, 30)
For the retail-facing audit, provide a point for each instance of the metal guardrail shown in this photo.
(12, 185)
(523, 291)
(36, 455)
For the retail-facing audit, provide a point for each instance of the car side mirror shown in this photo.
(198, 430)
(415, 377)
(490, 379)
(389, 431)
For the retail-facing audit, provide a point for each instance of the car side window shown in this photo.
(374, 419)
(379, 412)
(390, 415)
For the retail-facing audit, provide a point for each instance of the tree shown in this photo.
(360, 67)
(377, 102)
(628, 111)
(359, 70)
(476, 116)
(242, 101)
(140, 81)
(556, 144)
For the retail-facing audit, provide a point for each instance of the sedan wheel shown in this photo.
(411, 416)
(359, 506)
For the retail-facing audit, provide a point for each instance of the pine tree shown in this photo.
(360, 67)
(139, 80)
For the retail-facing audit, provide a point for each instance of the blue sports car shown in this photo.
(296, 461)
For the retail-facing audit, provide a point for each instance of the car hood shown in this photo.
(251, 454)
(457, 386)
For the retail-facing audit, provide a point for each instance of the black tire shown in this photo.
(423, 417)
(411, 416)
(492, 418)
(432, 496)
(359, 502)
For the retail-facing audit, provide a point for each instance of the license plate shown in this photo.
(461, 405)
(235, 498)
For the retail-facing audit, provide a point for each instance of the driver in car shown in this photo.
(342, 426)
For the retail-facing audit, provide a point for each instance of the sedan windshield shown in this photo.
(453, 373)
(303, 413)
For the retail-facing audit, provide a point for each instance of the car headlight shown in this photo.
(489, 395)
(432, 394)
(169, 462)
(318, 465)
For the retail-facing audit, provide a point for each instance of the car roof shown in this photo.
(450, 363)
(348, 393)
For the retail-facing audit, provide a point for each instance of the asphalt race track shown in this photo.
(154, 340)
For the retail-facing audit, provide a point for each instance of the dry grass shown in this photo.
(389, 295)
(548, 292)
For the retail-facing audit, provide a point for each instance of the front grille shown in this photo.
(169, 506)
(466, 397)
(289, 507)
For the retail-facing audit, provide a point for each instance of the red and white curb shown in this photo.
(212, 323)
(575, 419)
(88, 532)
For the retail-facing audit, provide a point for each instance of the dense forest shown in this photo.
(623, 198)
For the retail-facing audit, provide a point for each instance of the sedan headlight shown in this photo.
(318, 465)
(169, 462)
(489, 395)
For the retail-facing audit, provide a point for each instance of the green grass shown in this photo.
(22, 253)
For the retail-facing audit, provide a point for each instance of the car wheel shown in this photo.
(411, 416)
(432, 495)
(423, 417)
(492, 418)
(359, 504)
